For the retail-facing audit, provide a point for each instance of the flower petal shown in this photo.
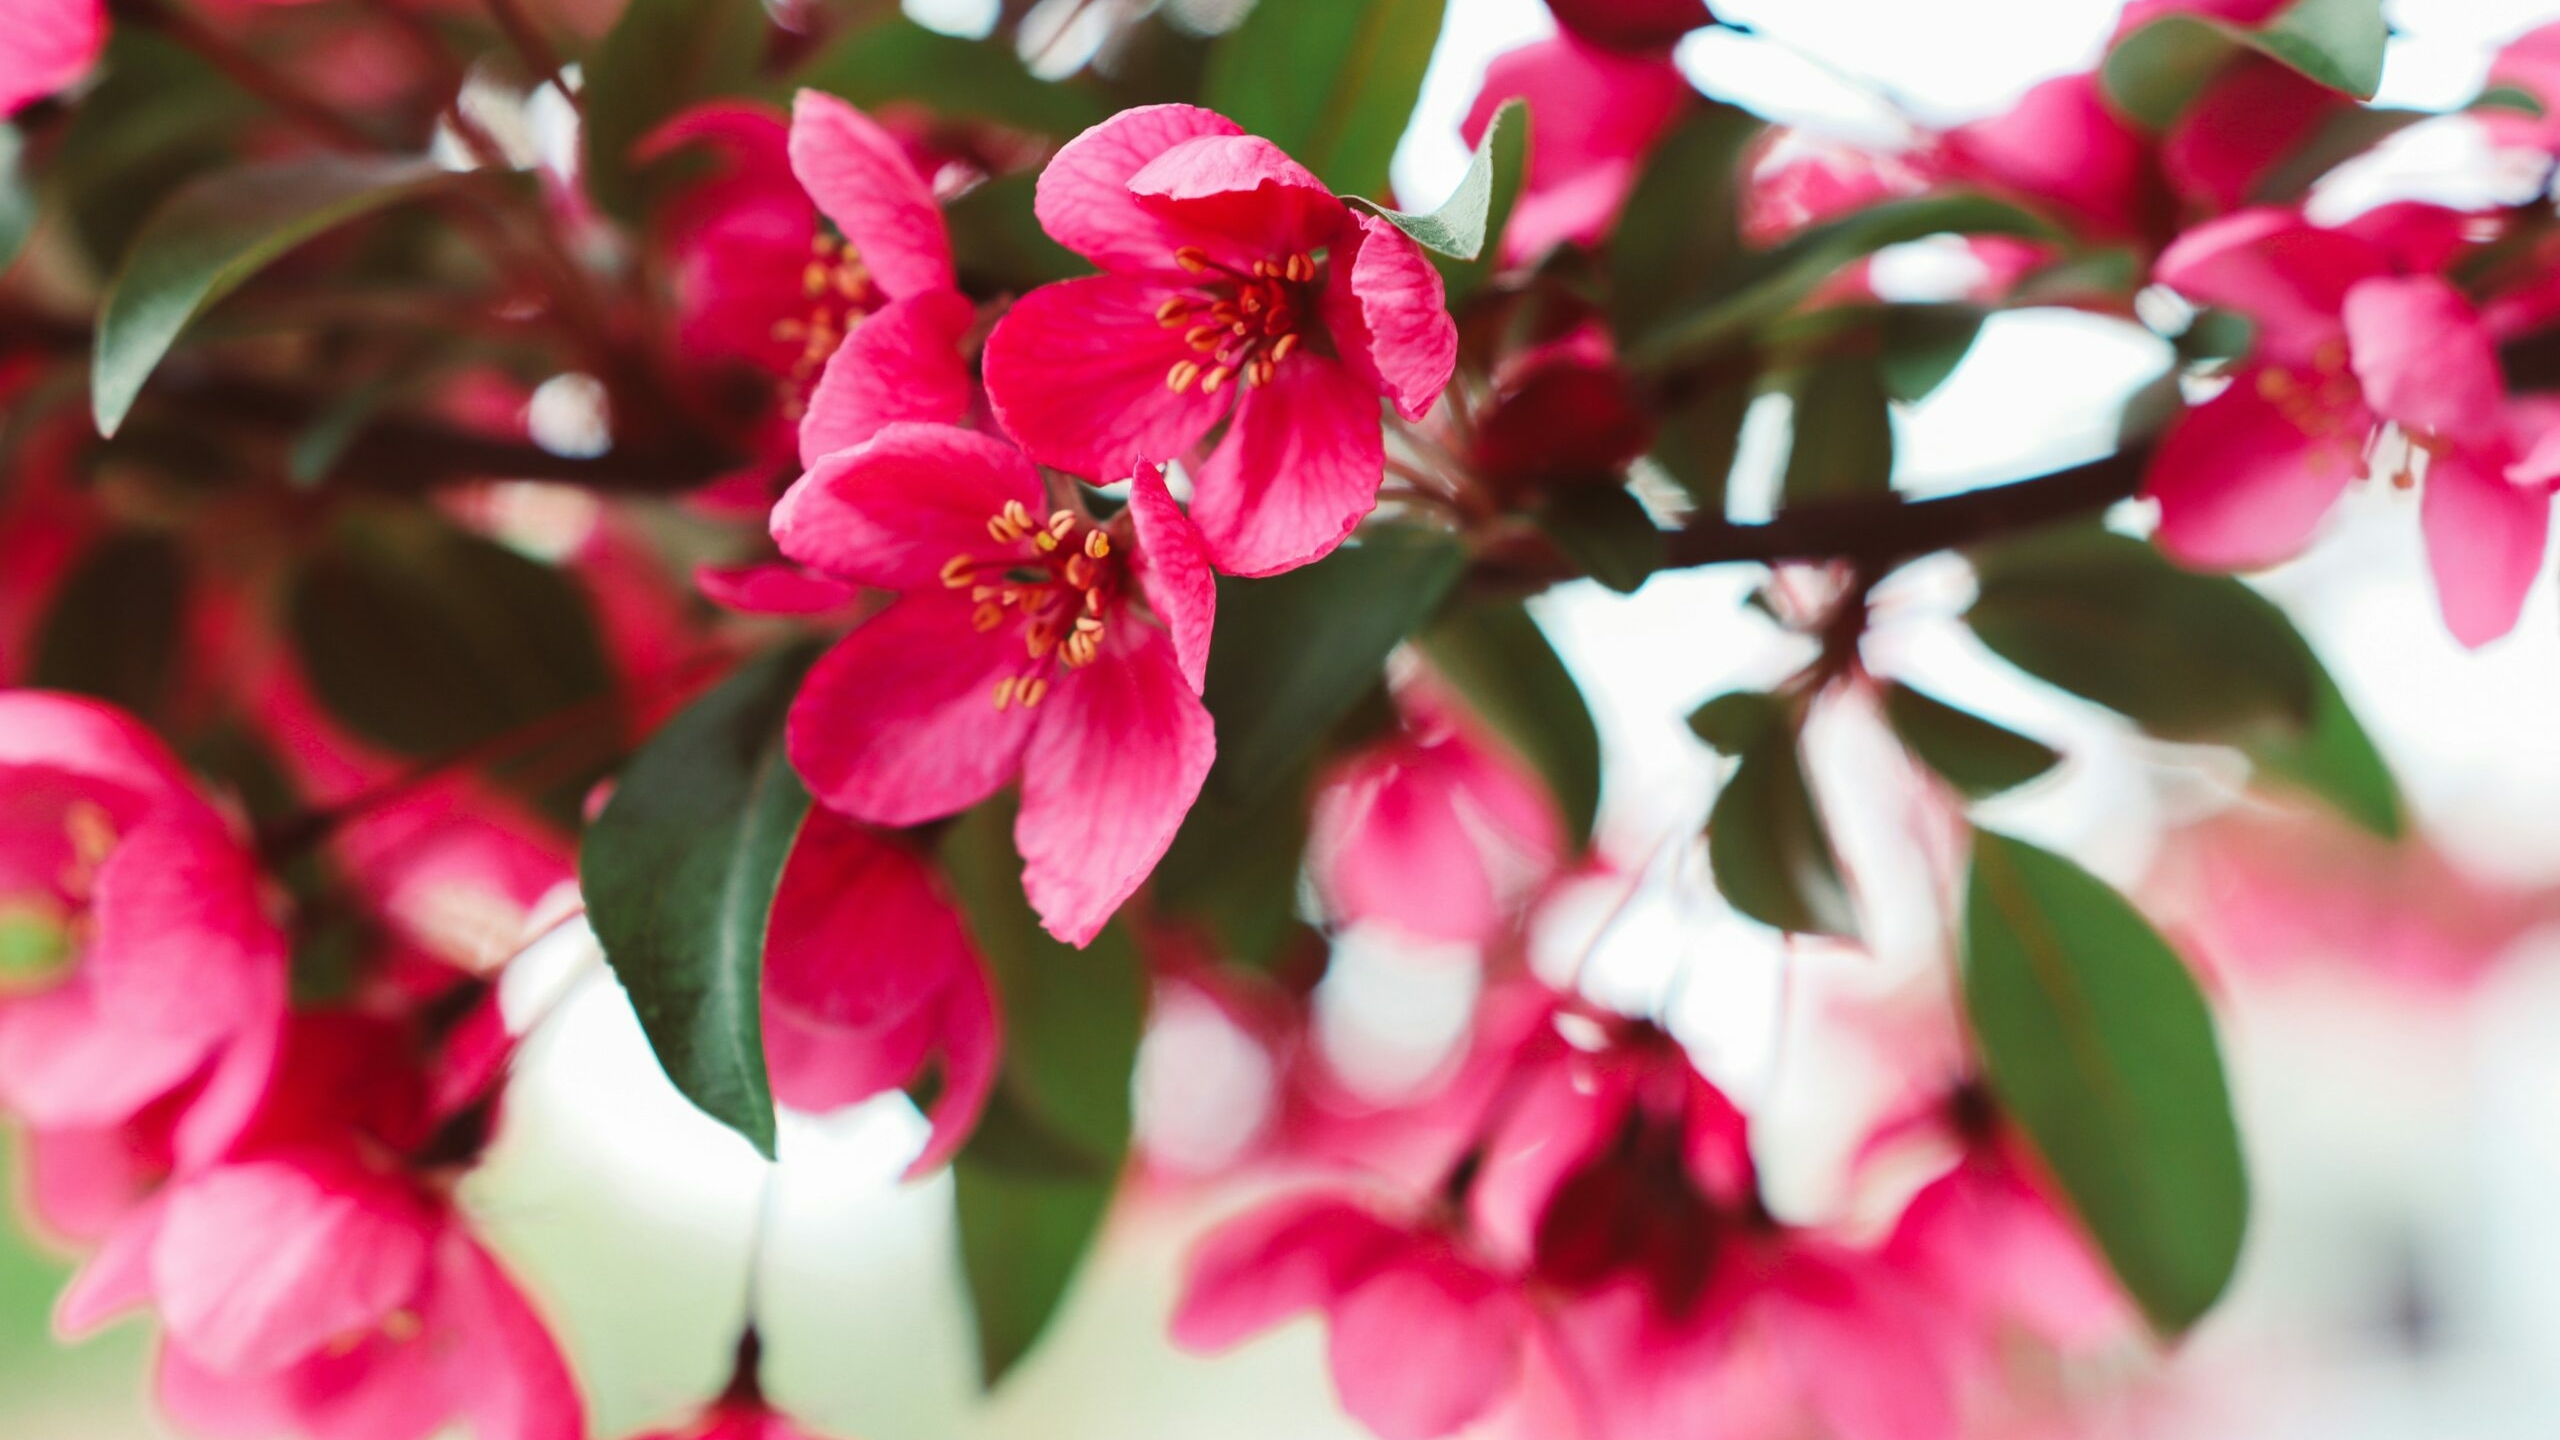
(2485, 538)
(43, 730)
(1391, 846)
(1240, 198)
(894, 510)
(773, 587)
(902, 363)
(183, 945)
(2240, 486)
(114, 1281)
(506, 1370)
(2292, 277)
(46, 46)
(2424, 359)
(64, 1062)
(863, 181)
(1110, 773)
(1426, 1345)
(1295, 473)
(1259, 1269)
(898, 724)
(972, 1045)
(1389, 315)
(818, 1067)
(1172, 562)
(1595, 115)
(1083, 197)
(1631, 24)
(861, 935)
(1076, 373)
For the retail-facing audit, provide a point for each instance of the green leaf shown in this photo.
(1604, 530)
(2101, 1047)
(1767, 845)
(1766, 284)
(1499, 661)
(210, 238)
(2333, 760)
(1681, 228)
(1297, 650)
(1842, 445)
(1974, 755)
(1505, 152)
(1234, 867)
(2216, 335)
(2156, 72)
(1332, 82)
(997, 242)
(17, 200)
(898, 59)
(158, 116)
(1734, 722)
(2349, 132)
(659, 58)
(1923, 345)
(1036, 1180)
(2186, 656)
(112, 630)
(1460, 228)
(1700, 436)
(679, 874)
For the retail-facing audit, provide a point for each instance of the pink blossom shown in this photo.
(47, 46)
(2062, 148)
(1634, 25)
(2354, 331)
(736, 1420)
(1028, 639)
(1436, 829)
(868, 974)
(1235, 288)
(1594, 117)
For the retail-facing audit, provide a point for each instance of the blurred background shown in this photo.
(2386, 1014)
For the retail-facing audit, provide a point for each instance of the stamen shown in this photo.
(987, 616)
(1204, 337)
(1180, 377)
(1097, 544)
(1192, 258)
(1284, 347)
(1173, 311)
(1004, 692)
(1302, 268)
(959, 571)
(1033, 691)
(1216, 379)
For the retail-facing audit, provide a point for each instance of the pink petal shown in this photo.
(1631, 24)
(183, 945)
(898, 724)
(1083, 198)
(861, 934)
(903, 362)
(1426, 1345)
(2240, 486)
(773, 587)
(2533, 436)
(511, 1381)
(2424, 359)
(94, 741)
(2485, 538)
(235, 1090)
(1561, 1119)
(1172, 564)
(1077, 372)
(1829, 1319)
(862, 180)
(115, 1280)
(1392, 846)
(893, 511)
(1259, 1269)
(82, 1184)
(261, 1264)
(2255, 114)
(1241, 199)
(46, 46)
(1594, 116)
(1390, 319)
(222, 1407)
(66, 1062)
(1296, 472)
(2290, 276)
(818, 1067)
(972, 1045)
(2062, 145)
(1119, 756)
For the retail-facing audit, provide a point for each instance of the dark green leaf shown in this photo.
(158, 116)
(1734, 722)
(660, 57)
(1505, 151)
(2347, 133)
(1699, 438)
(213, 235)
(112, 629)
(1605, 531)
(1296, 651)
(2333, 760)
(1974, 755)
(1022, 1238)
(1332, 82)
(897, 59)
(1681, 228)
(1923, 345)
(1234, 867)
(322, 444)
(679, 874)
(1458, 229)
(1498, 660)
(2508, 97)
(2157, 71)
(17, 199)
(1767, 845)
(2100, 1045)
(2216, 335)
(1842, 445)
(997, 242)
(2186, 656)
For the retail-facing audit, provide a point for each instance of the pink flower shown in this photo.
(2062, 148)
(2353, 332)
(1235, 288)
(1027, 640)
(1634, 25)
(869, 973)
(1426, 1337)
(736, 1420)
(1435, 829)
(1594, 116)
(168, 973)
(46, 46)
(1562, 413)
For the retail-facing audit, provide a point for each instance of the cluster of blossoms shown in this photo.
(975, 420)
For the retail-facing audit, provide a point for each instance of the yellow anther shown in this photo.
(1174, 311)
(1192, 258)
(1033, 691)
(1004, 692)
(1039, 638)
(1097, 545)
(959, 571)
(1204, 337)
(1080, 571)
(1018, 515)
(1061, 521)
(1179, 379)
(91, 830)
(1214, 381)
(1259, 370)
(814, 279)
(1302, 268)
(1046, 541)
(987, 616)
(1284, 347)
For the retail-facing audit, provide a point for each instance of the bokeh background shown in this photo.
(2391, 1020)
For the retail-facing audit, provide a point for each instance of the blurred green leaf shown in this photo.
(2186, 656)
(1974, 755)
(1766, 843)
(1234, 867)
(1297, 650)
(2099, 1044)
(1023, 1237)
(997, 242)
(1734, 722)
(660, 57)
(1681, 228)
(679, 874)
(1498, 660)
(158, 116)
(897, 59)
(17, 198)
(1332, 82)
(2156, 72)
(1604, 530)
(211, 237)
(1923, 345)
(112, 630)
(1842, 438)
(2333, 760)
(2348, 132)
(1465, 222)
(1701, 433)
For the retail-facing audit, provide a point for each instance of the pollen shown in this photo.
(1058, 579)
(1242, 325)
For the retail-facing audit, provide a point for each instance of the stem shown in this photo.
(249, 73)
(533, 49)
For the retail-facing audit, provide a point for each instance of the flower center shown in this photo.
(2318, 402)
(837, 292)
(1058, 579)
(1243, 324)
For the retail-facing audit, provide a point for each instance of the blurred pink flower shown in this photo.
(1594, 117)
(47, 46)
(1631, 24)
